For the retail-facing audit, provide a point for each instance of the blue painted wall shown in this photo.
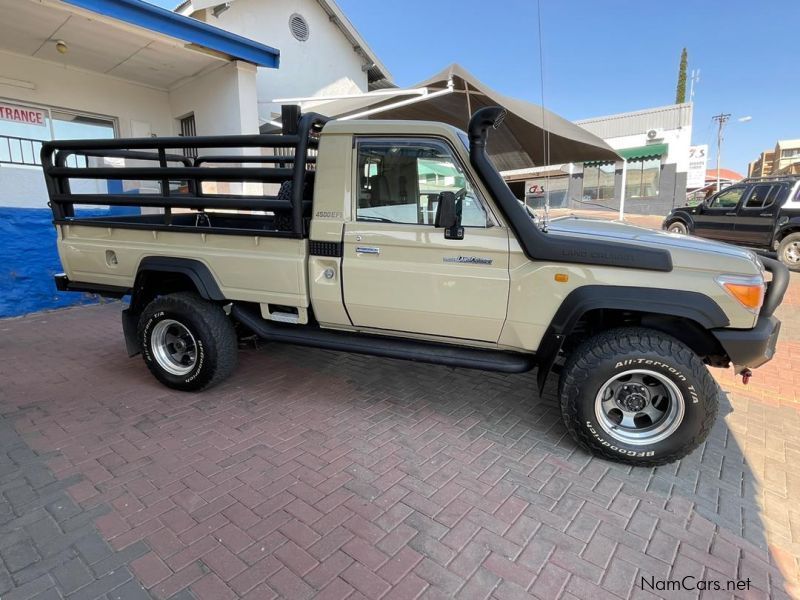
(29, 259)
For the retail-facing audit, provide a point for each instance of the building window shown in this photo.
(21, 142)
(598, 181)
(642, 178)
(790, 153)
(189, 129)
(546, 190)
(299, 27)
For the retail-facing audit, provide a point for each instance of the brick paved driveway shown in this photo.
(317, 473)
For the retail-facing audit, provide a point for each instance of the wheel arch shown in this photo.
(158, 275)
(678, 219)
(688, 316)
(787, 229)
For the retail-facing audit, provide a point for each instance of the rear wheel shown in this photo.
(789, 251)
(637, 396)
(188, 343)
(678, 227)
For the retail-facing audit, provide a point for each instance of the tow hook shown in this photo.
(746, 375)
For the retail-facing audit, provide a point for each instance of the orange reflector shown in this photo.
(562, 277)
(750, 296)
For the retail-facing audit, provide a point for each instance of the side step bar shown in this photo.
(442, 354)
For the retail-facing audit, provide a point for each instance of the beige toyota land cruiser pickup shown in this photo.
(401, 239)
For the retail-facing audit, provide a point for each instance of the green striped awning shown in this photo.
(651, 150)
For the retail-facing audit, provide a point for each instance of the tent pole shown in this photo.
(469, 105)
(372, 111)
(623, 184)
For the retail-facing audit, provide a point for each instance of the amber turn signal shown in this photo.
(561, 277)
(749, 292)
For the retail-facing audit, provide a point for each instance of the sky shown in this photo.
(605, 57)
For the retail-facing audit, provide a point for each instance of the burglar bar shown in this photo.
(302, 137)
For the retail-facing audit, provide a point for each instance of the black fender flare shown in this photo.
(792, 225)
(683, 304)
(683, 217)
(197, 272)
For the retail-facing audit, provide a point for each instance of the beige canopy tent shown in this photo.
(451, 96)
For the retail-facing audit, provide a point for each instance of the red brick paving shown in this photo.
(311, 473)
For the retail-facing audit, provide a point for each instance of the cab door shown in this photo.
(716, 218)
(399, 272)
(755, 224)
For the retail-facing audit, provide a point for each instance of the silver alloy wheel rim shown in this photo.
(676, 229)
(174, 347)
(792, 252)
(639, 407)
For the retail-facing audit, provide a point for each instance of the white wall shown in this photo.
(223, 101)
(324, 64)
(63, 87)
(678, 140)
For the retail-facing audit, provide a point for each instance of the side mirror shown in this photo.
(448, 216)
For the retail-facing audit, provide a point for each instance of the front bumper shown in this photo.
(750, 348)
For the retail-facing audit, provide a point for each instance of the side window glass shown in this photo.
(400, 181)
(727, 199)
(779, 195)
(759, 197)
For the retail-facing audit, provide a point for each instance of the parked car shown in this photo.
(761, 213)
(356, 252)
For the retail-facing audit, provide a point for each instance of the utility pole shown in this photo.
(721, 119)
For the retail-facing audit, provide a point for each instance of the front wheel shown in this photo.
(678, 227)
(637, 396)
(188, 343)
(789, 251)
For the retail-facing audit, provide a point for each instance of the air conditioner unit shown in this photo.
(655, 134)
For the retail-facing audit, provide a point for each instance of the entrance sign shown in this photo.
(23, 114)
(696, 175)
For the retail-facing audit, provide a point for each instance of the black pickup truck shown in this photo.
(761, 213)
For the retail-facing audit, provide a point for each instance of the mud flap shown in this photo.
(130, 323)
(546, 357)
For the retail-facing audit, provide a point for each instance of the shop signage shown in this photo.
(696, 175)
(23, 114)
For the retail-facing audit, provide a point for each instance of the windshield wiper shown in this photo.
(374, 219)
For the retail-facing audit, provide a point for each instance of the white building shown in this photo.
(655, 144)
(322, 53)
(97, 69)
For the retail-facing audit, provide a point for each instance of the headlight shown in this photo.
(748, 290)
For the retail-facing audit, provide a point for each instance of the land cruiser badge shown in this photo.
(472, 260)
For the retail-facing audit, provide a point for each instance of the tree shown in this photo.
(680, 93)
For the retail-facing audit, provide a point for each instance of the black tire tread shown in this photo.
(676, 221)
(214, 318)
(619, 341)
(789, 238)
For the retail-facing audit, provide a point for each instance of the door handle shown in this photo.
(765, 215)
(730, 214)
(367, 250)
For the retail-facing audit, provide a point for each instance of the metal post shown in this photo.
(721, 119)
(623, 183)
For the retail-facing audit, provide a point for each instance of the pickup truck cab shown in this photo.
(401, 239)
(761, 213)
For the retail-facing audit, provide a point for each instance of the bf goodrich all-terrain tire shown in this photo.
(187, 343)
(789, 251)
(678, 227)
(637, 396)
